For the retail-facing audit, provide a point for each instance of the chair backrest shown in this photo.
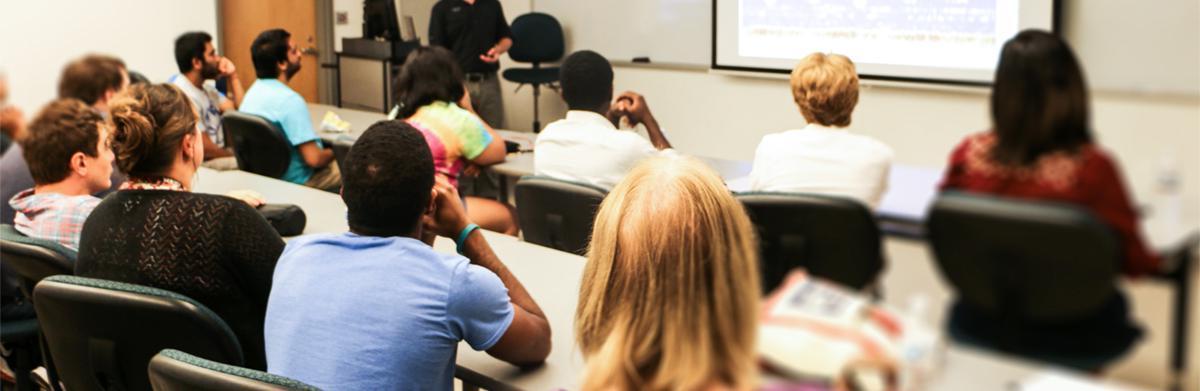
(556, 213)
(1032, 261)
(103, 333)
(31, 260)
(259, 146)
(173, 370)
(341, 149)
(537, 38)
(831, 237)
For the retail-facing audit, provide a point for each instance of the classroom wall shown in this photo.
(725, 116)
(37, 38)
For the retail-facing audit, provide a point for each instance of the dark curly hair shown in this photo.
(386, 180)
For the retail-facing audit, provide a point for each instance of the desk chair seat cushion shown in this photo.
(171, 369)
(532, 76)
(1094, 341)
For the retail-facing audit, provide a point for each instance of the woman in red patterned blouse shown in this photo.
(1041, 145)
(1041, 148)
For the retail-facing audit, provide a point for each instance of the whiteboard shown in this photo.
(665, 31)
(1125, 45)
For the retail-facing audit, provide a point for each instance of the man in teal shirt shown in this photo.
(276, 60)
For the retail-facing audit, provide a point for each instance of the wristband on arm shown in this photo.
(462, 237)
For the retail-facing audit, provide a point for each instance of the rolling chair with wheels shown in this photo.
(1034, 279)
(259, 146)
(556, 213)
(833, 238)
(103, 333)
(537, 39)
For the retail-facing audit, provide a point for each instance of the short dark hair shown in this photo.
(88, 78)
(63, 127)
(430, 74)
(586, 78)
(190, 46)
(387, 180)
(1039, 100)
(268, 50)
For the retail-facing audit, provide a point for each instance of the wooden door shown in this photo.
(243, 20)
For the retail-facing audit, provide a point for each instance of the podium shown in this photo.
(367, 69)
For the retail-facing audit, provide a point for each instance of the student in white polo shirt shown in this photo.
(823, 157)
(586, 146)
(198, 62)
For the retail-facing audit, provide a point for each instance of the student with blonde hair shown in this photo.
(670, 310)
(822, 157)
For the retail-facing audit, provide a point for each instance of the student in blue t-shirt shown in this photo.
(276, 60)
(376, 308)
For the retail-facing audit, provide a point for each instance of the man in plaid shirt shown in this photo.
(67, 149)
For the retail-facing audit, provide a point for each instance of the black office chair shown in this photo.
(537, 38)
(173, 370)
(1035, 279)
(341, 149)
(25, 262)
(258, 146)
(33, 259)
(556, 213)
(103, 333)
(831, 237)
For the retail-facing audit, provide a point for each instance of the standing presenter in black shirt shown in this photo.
(478, 34)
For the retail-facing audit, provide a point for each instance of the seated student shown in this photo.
(93, 79)
(198, 61)
(823, 157)
(69, 158)
(156, 232)
(586, 145)
(674, 311)
(1041, 147)
(433, 100)
(276, 60)
(390, 312)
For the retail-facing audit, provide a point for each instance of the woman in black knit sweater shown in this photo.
(156, 232)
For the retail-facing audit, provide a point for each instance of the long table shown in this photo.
(901, 212)
(553, 279)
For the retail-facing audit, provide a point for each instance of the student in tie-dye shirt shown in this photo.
(433, 100)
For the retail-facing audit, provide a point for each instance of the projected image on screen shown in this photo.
(947, 40)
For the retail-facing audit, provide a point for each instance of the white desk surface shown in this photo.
(553, 278)
(910, 191)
